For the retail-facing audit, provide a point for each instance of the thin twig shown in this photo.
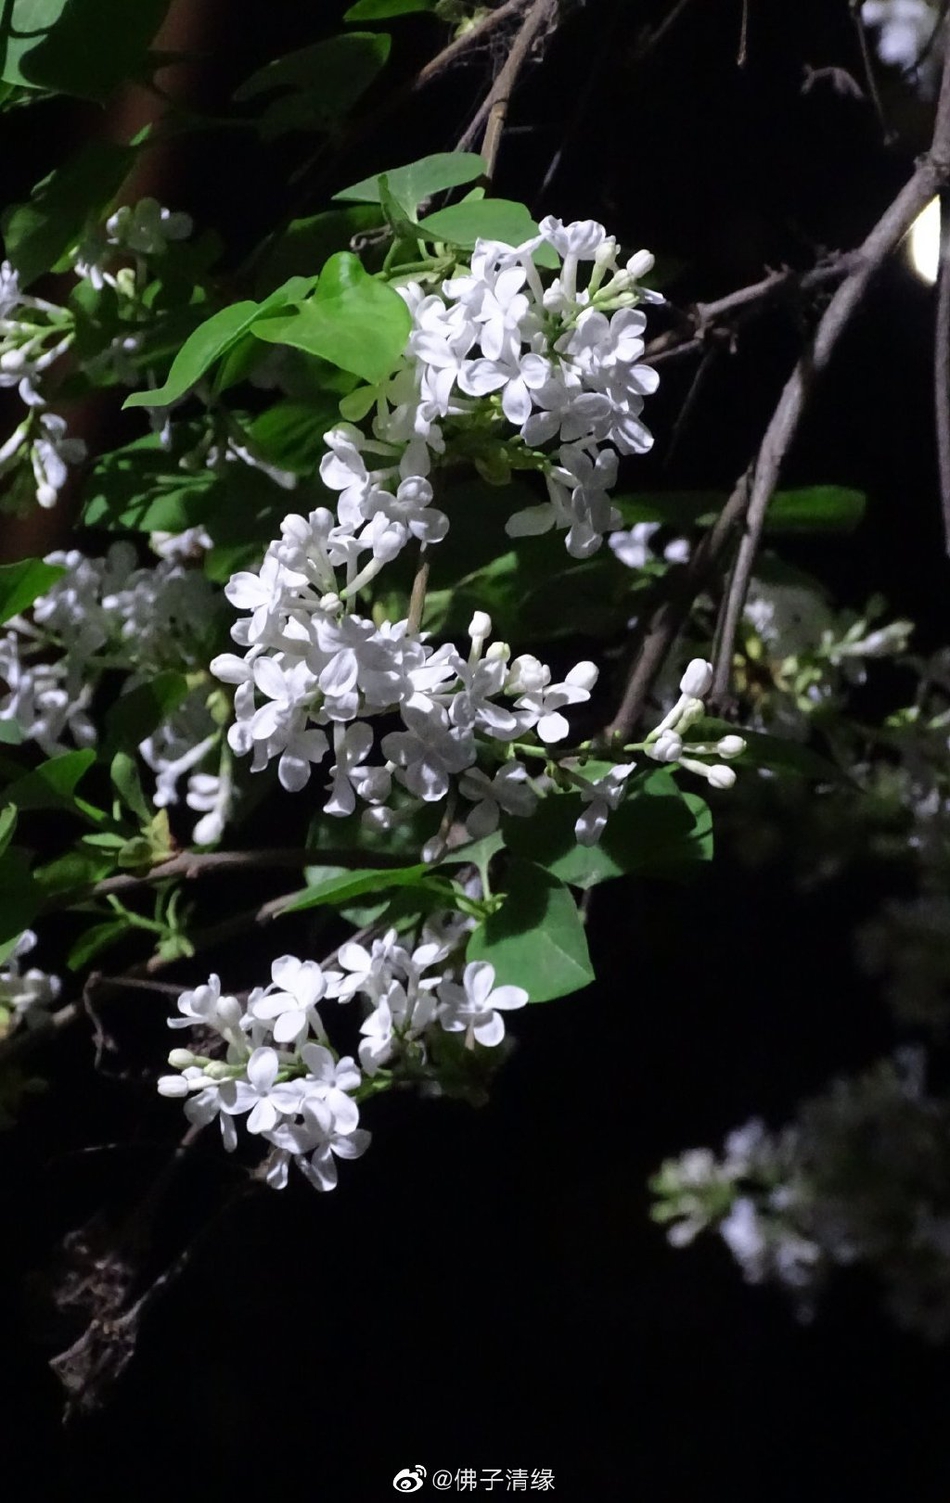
(870, 76)
(883, 239)
(706, 319)
(754, 489)
(191, 865)
(743, 54)
(942, 366)
(417, 599)
(493, 111)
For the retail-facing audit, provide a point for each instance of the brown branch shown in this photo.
(191, 865)
(942, 366)
(493, 111)
(750, 498)
(704, 320)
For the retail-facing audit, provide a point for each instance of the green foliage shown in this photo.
(303, 247)
(352, 320)
(139, 712)
(412, 185)
(318, 85)
(20, 897)
(816, 508)
(81, 47)
(341, 890)
(488, 219)
(37, 234)
(536, 938)
(382, 10)
(22, 583)
(658, 831)
(52, 785)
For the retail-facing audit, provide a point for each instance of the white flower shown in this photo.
(313, 1143)
(541, 708)
(601, 797)
(290, 1001)
(473, 1007)
(350, 777)
(266, 1099)
(508, 790)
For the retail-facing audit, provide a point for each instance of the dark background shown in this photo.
(485, 1288)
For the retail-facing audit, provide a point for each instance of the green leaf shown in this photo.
(319, 84)
(819, 508)
(8, 819)
(80, 47)
(51, 785)
(381, 10)
(201, 349)
(306, 244)
(412, 185)
(816, 508)
(136, 714)
(21, 584)
(354, 321)
(290, 434)
(38, 233)
(536, 939)
(126, 782)
(73, 872)
(341, 890)
(20, 897)
(139, 488)
(99, 937)
(486, 219)
(658, 831)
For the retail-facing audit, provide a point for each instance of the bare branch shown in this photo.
(493, 111)
(750, 498)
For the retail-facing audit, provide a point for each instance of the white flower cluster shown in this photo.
(33, 335)
(316, 667)
(141, 229)
(860, 1178)
(25, 996)
(665, 742)
(110, 613)
(278, 1070)
(518, 368)
(910, 36)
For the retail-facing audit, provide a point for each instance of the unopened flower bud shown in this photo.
(730, 746)
(498, 652)
(720, 777)
(433, 850)
(667, 747)
(173, 1085)
(180, 1059)
(640, 263)
(583, 675)
(691, 710)
(330, 602)
(218, 1070)
(697, 680)
(480, 626)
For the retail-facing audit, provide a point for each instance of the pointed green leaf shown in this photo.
(382, 10)
(354, 321)
(413, 184)
(51, 785)
(201, 349)
(658, 831)
(21, 584)
(486, 219)
(536, 939)
(340, 890)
